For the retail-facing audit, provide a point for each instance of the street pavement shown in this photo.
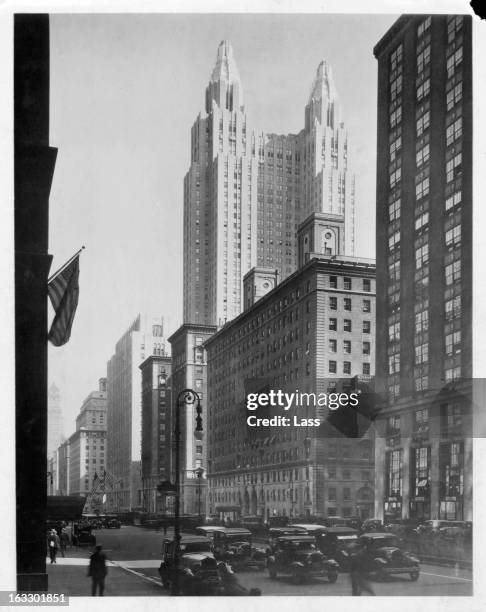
(134, 557)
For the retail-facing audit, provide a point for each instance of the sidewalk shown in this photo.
(69, 576)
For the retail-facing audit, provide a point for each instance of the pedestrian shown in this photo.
(53, 544)
(358, 568)
(64, 540)
(97, 571)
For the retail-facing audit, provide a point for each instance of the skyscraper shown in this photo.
(124, 383)
(246, 192)
(424, 262)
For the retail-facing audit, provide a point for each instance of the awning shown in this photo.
(65, 507)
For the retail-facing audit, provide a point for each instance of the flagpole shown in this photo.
(66, 264)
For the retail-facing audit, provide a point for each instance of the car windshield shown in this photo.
(389, 541)
(195, 547)
(303, 546)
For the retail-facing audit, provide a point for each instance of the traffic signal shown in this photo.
(199, 426)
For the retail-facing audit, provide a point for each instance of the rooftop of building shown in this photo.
(325, 263)
(191, 327)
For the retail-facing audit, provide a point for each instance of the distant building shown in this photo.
(424, 268)
(63, 469)
(54, 420)
(189, 372)
(88, 444)
(312, 333)
(124, 408)
(157, 435)
(246, 192)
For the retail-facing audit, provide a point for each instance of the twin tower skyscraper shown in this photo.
(246, 192)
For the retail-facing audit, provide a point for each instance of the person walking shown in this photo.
(64, 540)
(53, 544)
(358, 568)
(97, 571)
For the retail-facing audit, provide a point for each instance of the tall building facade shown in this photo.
(246, 192)
(144, 337)
(189, 371)
(156, 430)
(424, 263)
(314, 334)
(54, 420)
(88, 444)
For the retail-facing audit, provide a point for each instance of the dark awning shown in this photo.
(228, 509)
(65, 507)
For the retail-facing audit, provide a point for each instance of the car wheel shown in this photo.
(414, 576)
(271, 572)
(332, 576)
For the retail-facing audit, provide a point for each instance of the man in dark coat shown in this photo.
(358, 569)
(97, 571)
(53, 544)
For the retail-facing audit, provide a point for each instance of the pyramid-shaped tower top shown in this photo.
(225, 84)
(323, 98)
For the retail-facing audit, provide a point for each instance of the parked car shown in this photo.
(371, 524)
(234, 545)
(277, 532)
(311, 528)
(385, 557)
(113, 523)
(297, 556)
(82, 535)
(336, 543)
(195, 571)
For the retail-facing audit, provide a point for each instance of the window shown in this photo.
(333, 303)
(423, 58)
(346, 367)
(394, 473)
(395, 117)
(422, 155)
(421, 353)
(422, 188)
(332, 345)
(453, 272)
(421, 221)
(347, 325)
(333, 324)
(366, 284)
(396, 57)
(347, 303)
(332, 367)
(454, 131)
(453, 343)
(421, 256)
(423, 26)
(333, 282)
(453, 200)
(423, 89)
(453, 308)
(454, 96)
(331, 473)
(366, 305)
(366, 327)
(394, 213)
(347, 346)
(396, 87)
(395, 147)
(394, 363)
(347, 283)
(366, 369)
(453, 236)
(346, 493)
(453, 61)
(332, 494)
(199, 383)
(422, 123)
(366, 348)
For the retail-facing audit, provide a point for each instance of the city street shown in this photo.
(139, 551)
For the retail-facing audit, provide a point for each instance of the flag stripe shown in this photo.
(63, 292)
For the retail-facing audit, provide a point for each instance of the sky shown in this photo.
(125, 91)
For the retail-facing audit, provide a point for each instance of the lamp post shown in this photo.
(199, 473)
(185, 397)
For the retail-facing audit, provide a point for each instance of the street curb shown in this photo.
(139, 574)
(445, 562)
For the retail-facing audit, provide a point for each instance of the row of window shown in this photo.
(366, 346)
(366, 368)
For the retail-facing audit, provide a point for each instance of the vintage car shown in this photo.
(82, 535)
(297, 556)
(311, 528)
(233, 545)
(192, 569)
(371, 524)
(384, 557)
(336, 543)
(276, 532)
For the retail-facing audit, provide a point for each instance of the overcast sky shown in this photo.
(125, 90)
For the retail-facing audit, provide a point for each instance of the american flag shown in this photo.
(63, 291)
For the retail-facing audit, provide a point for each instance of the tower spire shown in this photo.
(225, 84)
(323, 98)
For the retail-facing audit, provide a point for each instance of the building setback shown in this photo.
(88, 445)
(312, 333)
(144, 337)
(246, 193)
(189, 370)
(424, 263)
(156, 430)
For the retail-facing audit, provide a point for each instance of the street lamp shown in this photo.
(185, 397)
